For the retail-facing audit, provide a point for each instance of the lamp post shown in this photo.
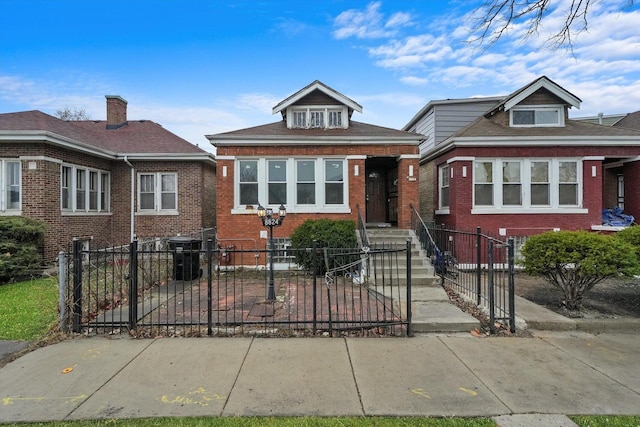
(268, 220)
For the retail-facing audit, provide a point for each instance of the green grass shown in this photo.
(280, 422)
(28, 308)
(607, 421)
(589, 421)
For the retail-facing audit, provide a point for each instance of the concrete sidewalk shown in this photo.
(460, 375)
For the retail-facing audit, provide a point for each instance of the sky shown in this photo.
(201, 67)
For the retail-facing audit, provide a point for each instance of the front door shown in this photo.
(376, 196)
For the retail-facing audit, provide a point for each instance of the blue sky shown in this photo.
(201, 67)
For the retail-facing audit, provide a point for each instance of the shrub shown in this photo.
(631, 235)
(328, 234)
(20, 243)
(575, 261)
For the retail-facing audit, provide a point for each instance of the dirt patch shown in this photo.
(613, 298)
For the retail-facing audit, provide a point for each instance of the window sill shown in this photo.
(298, 210)
(157, 213)
(607, 228)
(84, 213)
(524, 211)
(444, 211)
(10, 213)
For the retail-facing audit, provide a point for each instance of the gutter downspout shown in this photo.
(133, 193)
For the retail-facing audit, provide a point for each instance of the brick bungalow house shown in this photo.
(103, 181)
(517, 165)
(318, 163)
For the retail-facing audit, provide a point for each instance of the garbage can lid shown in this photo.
(183, 239)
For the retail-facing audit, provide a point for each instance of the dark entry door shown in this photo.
(376, 196)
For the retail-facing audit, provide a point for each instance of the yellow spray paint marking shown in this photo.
(198, 396)
(470, 392)
(420, 392)
(67, 370)
(11, 400)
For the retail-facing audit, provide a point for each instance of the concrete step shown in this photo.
(431, 310)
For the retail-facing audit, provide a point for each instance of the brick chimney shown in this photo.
(116, 112)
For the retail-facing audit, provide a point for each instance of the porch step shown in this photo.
(431, 310)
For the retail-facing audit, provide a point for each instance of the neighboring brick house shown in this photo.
(318, 163)
(103, 181)
(521, 166)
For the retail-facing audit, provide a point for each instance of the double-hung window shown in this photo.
(302, 184)
(317, 117)
(158, 192)
(10, 186)
(527, 183)
(277, 185)
(334, 182)
(443, 187)
(305, 182)
(84, 190)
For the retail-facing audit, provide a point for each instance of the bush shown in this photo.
(20, 243)
(328, 233)
(575, 261)
(631, 235)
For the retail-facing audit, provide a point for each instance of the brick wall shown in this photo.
(41, 198)
(244, 229)
(461, 191)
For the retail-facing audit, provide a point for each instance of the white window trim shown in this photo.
(73, 194)
(527, 207)
(548, 107)
(157, 195)
(325, 109)
(291, 205)
(3, 188)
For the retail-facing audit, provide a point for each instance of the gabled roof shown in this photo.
(139, 138)
(275, 133)
(541, 82)
(631, 121)
(317, 85)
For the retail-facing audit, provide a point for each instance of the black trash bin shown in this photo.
(186, 257)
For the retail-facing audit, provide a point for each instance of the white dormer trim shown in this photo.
(543, 82)
(317, 85)
(328, 122)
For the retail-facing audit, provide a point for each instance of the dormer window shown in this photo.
(537, 116)
(316, 118)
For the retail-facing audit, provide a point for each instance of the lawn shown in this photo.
(29, 308)
(590, 421)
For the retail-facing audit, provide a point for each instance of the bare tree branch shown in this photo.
(495, 17)
(76, 114)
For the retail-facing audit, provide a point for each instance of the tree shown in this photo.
(76, 114)
(576, 261)
(494, 17)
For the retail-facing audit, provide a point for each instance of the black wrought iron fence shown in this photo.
(476, 266)
(190, 289)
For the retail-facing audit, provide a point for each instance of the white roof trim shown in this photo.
(550, 86)
(317, 85)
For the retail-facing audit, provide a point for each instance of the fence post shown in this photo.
(62, 290)
(492, 308)
(478, 266)
(314, 263)
(409, 332)
(133, 285)
(209, 287)
(77, 286)
(512, 303)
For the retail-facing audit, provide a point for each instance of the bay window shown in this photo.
(84, 190)
(527, 183)
(303, 184)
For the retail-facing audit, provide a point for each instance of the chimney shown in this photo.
(116, 112)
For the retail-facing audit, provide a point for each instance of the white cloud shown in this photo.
(414, 81)
(368, 23)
